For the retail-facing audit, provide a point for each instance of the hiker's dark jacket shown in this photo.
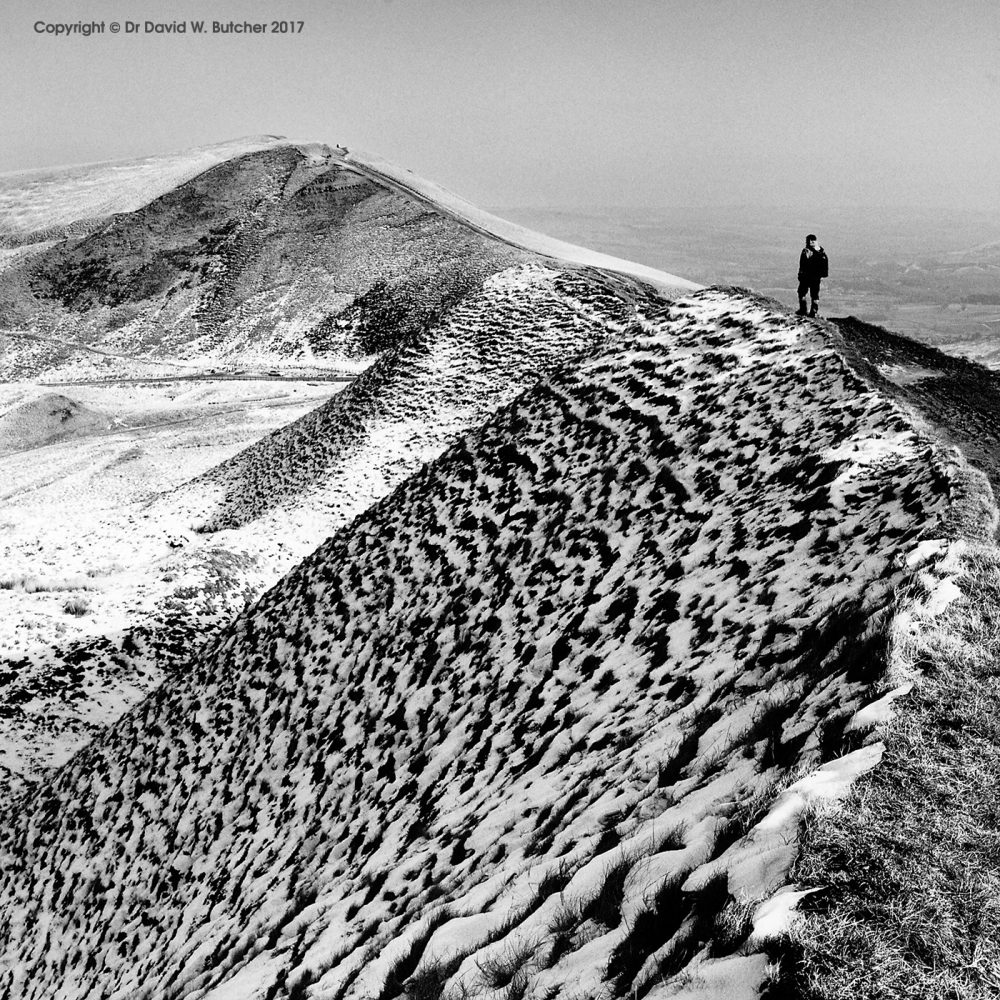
(813, 265)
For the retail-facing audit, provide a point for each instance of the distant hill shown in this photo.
(237, 266)
(248, 262)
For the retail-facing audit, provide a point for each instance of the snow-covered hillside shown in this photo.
(540, 723)
(240, 255)
(508, 670)
(268, 257)
(157, 575)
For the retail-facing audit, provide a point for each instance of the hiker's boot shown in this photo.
(802, 308)
(814, 311)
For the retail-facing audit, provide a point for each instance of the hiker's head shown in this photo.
(811, 240)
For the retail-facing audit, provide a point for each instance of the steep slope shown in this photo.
(959, 398)
(267, 507)
(524, 727)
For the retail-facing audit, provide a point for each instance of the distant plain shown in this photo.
(930, 274)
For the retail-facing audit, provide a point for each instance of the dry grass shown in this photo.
(509, 968)
(31, 584)
(76, 606)
(911, 862)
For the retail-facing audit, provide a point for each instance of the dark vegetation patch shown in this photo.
(961, 398)
(655, 925)
(388, 314)
(909, 868)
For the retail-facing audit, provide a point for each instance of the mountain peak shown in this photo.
(55, 197)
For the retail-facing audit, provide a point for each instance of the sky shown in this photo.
(565, 104)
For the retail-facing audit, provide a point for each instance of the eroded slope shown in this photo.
(958, 398)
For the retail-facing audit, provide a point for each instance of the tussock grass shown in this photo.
(556, 879)
(97, 571)
(509, 968)
(910, 863)
(77, 606)
(428, 983)
(606, 906)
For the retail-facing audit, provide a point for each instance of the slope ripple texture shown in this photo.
(445, 379)
(522, 728)
(312, 477)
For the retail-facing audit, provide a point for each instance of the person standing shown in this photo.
(813, 267)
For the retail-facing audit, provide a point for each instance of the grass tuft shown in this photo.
(508, 968)
(910, 863)
(76, 606)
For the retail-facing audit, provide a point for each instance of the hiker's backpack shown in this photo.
(824, 265)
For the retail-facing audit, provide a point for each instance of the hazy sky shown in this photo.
(559, 103)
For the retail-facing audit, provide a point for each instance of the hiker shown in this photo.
(813, 266)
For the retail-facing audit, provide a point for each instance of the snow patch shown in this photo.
(878, 712)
